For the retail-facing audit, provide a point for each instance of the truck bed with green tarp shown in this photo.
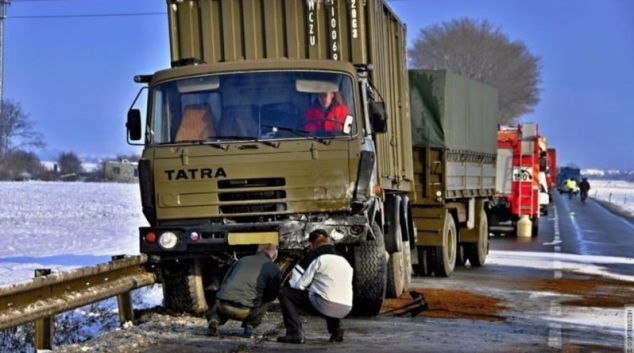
(453, 136)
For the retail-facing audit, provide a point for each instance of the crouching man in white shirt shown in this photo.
(320, 284)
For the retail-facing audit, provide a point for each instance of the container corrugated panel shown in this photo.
(357, 31)
(453, 112)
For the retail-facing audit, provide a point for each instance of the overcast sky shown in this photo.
(74, 74)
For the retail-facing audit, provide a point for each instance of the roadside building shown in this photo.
(123, 171)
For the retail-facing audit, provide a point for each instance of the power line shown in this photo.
(97, 15)
(90, 15)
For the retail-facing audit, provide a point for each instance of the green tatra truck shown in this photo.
(278, 117)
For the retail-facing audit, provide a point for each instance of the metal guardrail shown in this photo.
(46, 295)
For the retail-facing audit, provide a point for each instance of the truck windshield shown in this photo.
(255, 105)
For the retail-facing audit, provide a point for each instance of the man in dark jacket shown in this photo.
(584, 187)
(320, 284)
(249, 285)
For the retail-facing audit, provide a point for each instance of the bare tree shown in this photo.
(16, 129)
(19, 165)
(480, 51)
(69, 165)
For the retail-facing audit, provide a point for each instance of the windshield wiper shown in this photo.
(221, 146)
(246, 139)
(299, 132)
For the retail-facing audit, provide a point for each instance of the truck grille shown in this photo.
(250, 196)
(251, 183)
(231, 192)
(257, 208)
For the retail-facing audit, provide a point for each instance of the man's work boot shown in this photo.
(248, 331)
(212, 329)
(297, 338)
(337, 336)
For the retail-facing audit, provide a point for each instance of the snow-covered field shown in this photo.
(60, 225)
(620, 193)
(68, 225)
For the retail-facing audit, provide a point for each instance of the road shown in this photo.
(563, 291)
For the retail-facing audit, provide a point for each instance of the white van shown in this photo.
(544, 196)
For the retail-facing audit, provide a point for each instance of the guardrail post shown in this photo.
(43, 327)
(124, 301)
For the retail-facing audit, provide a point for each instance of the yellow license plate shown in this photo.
(254, 238)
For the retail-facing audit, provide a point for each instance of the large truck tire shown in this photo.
(396, 271)
(395, 276)
(461, 255)
(370, 275)
(423, 267)
(407, 266)
(393, 233)
(444, 257)
(477, 253)
(183, 289)
(408, 228)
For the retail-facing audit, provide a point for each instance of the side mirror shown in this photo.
(347, 125)
(378, 116)
(134, 124)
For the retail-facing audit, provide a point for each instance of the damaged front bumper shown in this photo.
(290, 234)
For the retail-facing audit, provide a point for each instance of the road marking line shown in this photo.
(554, 332)
(602, 208)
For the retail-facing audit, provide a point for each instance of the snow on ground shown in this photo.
(581, 264)
(620, 193)
(61, 226)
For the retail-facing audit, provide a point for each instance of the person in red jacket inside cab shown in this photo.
(327, 114)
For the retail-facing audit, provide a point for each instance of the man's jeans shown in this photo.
(223, 311)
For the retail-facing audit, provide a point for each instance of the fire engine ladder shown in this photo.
(527, 152)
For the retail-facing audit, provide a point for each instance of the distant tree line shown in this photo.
(18, 162)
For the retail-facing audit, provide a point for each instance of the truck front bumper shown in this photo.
(209, 237)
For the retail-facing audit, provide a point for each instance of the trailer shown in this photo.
(454, 123)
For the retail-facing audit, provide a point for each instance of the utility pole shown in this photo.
(4, 5)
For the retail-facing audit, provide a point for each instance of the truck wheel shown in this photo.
(370, 275)
(183, 289)
(407, 266)
(477, 253)
(534, 227)
(408, 228)
(461, 255)
(422, 267)
(393, 234)
(395, 275)
(444, 257)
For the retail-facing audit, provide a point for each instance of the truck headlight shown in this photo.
(168, 240)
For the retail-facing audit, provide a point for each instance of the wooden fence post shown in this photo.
(44, 327)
